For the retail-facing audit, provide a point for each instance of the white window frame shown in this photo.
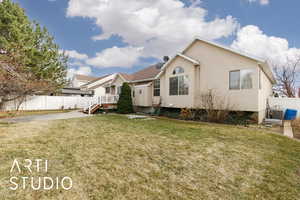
(240, 79)
(156, 87)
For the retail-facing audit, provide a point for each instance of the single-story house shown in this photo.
(78, 80)
(242, 80)
(98, 85)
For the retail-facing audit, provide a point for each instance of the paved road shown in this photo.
(68, 115)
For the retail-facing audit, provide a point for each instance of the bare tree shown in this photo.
(286, 76)
(217, 107)
(16, 83)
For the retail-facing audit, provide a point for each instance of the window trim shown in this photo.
(240, 79)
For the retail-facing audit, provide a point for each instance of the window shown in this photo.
(173, 86)
(179, 85)
(246, 79)
(156, 88)
(240, 79)
(119, 88)
(107, 90)
(183, 85)
(178, 70)
(234, 80)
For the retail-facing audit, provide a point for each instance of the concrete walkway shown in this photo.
(56, 116)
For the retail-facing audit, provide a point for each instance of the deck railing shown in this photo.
(109, 99)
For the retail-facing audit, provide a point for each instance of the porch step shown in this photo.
(94, 108)
(271, 122)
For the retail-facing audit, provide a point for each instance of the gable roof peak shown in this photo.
(241, 53)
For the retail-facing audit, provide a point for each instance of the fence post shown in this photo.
(89, 107)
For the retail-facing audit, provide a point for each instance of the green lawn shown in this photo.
(112, 157)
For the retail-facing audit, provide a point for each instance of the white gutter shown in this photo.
(143, 80)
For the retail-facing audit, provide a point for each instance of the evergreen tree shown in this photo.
(29, 51)
(125, 101)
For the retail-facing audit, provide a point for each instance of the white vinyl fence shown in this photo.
(58, 102)
(285, 103)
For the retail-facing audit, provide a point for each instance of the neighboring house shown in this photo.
(242, 80)
(79, 80)
(70, 91)
(98, 85)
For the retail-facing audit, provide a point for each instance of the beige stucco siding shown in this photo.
(143, 95)
(179, 101)
(264, 93)
(215, 65)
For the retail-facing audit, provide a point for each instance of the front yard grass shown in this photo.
(112, 157)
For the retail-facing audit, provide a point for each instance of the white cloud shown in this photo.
(116, 57)
(75, 55)
(82, 70)
(252, 40)
(262, 2)
(162, 27)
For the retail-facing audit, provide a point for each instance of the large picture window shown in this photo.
(241, 79)
(156, 88)
(179, 85)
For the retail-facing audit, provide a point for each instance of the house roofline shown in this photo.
(266, 69)
(142, 80)
(263, 64)
(244, 54)
(195, 62)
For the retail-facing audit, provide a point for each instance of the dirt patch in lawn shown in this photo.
(11, 114)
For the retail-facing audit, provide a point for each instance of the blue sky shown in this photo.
(126, 43)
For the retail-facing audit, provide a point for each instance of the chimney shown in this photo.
(166, 59)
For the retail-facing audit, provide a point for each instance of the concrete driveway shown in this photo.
(56, 116)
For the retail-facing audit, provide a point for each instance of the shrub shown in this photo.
(217, 107)
(186, 113)
(125, 101)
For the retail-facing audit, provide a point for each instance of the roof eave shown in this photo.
(143, 80)
(195, 62)
(223, 47)
(267, 70)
